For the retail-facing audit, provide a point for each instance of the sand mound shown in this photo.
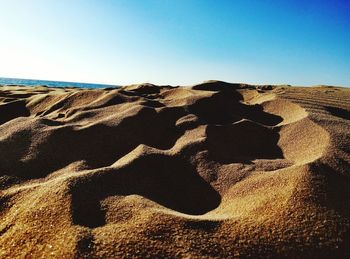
(212, 170)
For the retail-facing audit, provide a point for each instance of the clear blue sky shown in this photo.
(177, 41)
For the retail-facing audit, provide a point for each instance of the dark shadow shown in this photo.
(8, 180)
(19, 96)
(242, 142)
(12, 150)
(202, 225)
(168, 181)
(5, 229)
(111, 88)
(225, 107)
(335, 184)
(85, 244)
(5, 201)
(13, 110)
(86, 209)
(8, 100)
(5, 93)
(117, 99)
(218, 108)
(152, 103)
(338, 112)
(149, 96)
(49, 122)
(257, 114)
(143, 90)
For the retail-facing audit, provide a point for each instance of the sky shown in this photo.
(177, 42)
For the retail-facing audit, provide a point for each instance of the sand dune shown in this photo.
(216, 169)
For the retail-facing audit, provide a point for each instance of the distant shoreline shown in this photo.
(49, 83)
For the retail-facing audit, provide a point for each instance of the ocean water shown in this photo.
(31, 82)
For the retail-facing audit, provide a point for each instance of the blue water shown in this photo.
(31, 82)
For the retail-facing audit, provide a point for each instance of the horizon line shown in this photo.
(147, 82)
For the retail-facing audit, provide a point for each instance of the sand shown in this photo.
(212, 170)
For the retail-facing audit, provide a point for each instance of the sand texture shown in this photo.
(212, 170)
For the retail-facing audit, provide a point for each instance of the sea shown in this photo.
(32, 82)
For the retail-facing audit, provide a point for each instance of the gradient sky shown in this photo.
(176, 42)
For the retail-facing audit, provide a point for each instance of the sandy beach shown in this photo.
(210, 170)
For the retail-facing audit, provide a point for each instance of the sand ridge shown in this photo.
(216, 169)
